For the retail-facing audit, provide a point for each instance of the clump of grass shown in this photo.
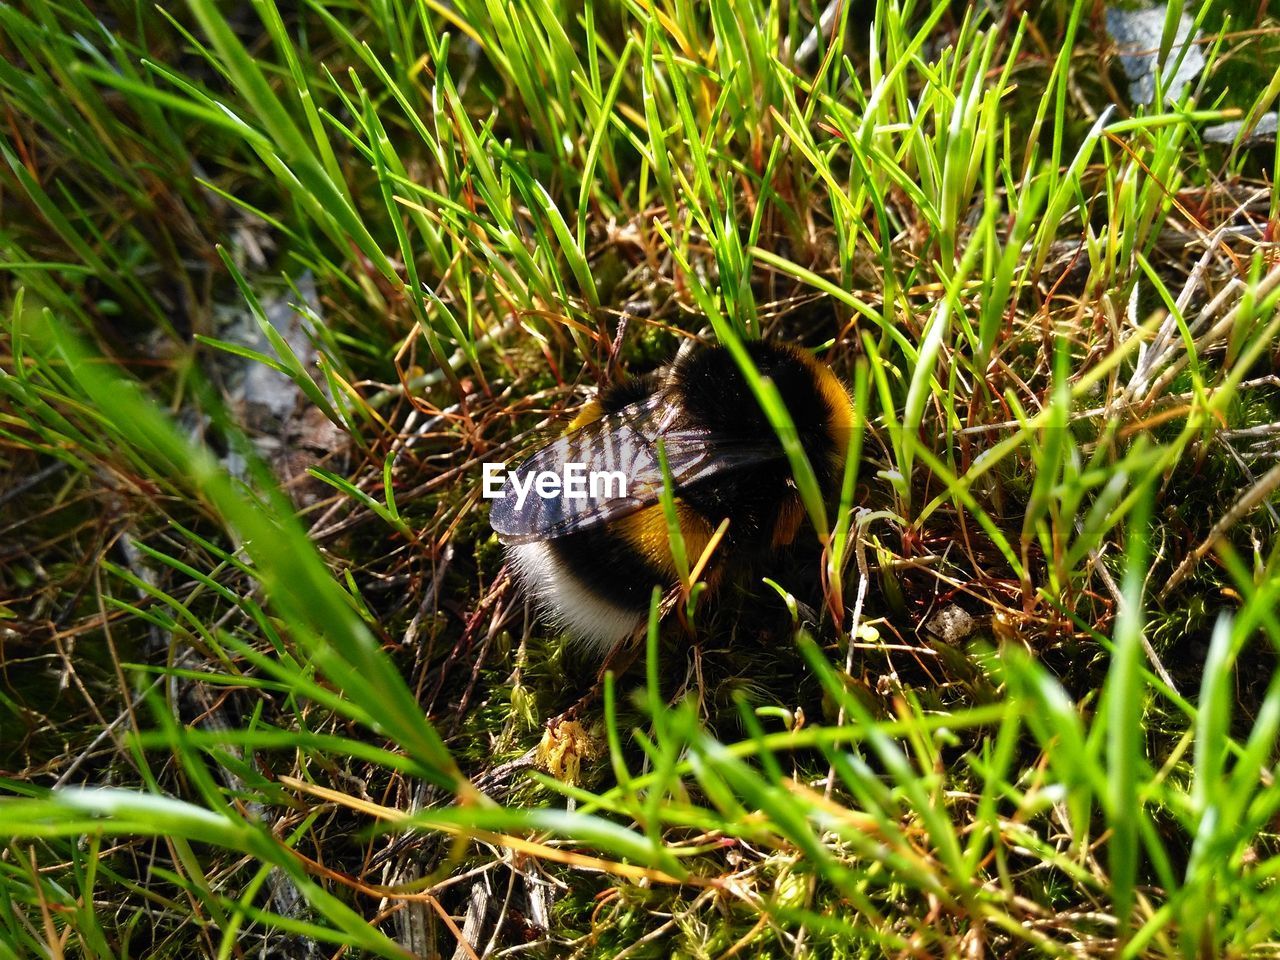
(238, 717)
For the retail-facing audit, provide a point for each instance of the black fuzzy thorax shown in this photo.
(715, 395)
(713, 391)
(631, 390)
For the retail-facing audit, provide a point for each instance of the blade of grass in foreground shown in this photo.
(112, 812)
(1126, 700)
(321, 617)
(311, 183)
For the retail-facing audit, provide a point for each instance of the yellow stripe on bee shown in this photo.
(592, 411)
(838, 402)
(646, 530)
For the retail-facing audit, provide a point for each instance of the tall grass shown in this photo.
(239, 712)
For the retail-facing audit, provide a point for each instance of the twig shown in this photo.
(1111, 410)
(1252, 497)
(1114, 589)
(809, 46)
(1219, 330)
(477, 906)
(1165, 339)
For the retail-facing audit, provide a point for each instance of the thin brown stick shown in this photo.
(1244, 506)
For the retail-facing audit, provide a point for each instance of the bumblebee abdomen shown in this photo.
(647, 533)
(598, 583)
(600, 612)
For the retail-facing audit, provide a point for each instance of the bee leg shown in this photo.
(618, 661)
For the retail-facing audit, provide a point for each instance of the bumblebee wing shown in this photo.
(696, 455)
(618, 443)
(620, 450)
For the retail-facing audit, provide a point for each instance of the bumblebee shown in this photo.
(590, 562)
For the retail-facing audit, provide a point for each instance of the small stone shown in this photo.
(951, 624)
